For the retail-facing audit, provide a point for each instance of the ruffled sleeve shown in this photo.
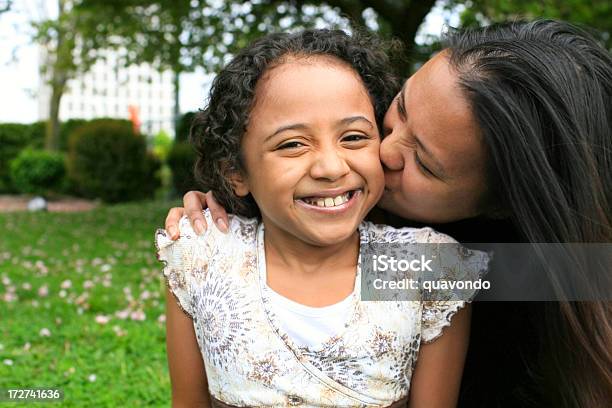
(441, 304)
(185, 260)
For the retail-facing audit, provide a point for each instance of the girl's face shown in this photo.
(433, 155)
(311, 151)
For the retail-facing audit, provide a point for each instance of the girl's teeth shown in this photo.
(329, 201)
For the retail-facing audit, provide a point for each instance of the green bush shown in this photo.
(37, 172)
(181, 160)
(37, 131)
(66, 129)
(161, 145)
(14, 137)
(107, 160)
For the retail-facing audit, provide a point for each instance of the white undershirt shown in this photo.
(310, 326)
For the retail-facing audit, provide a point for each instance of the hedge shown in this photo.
(107, 160)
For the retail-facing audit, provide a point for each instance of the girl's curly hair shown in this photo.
(217, 130)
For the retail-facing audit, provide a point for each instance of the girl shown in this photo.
(273, 309)
(506, 137)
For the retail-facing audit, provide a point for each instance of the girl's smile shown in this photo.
(330, 202)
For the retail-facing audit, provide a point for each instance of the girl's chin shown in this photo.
(331, 237)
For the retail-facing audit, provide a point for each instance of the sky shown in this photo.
(19, 72)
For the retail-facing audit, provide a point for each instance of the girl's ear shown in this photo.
(236, 179)
(239, 184)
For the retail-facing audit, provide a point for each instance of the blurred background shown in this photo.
(97, 101)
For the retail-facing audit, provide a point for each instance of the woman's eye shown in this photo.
(421, 165)
(290, 145)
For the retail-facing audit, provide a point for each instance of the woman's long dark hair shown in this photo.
(542, 94)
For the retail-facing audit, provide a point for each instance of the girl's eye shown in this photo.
(290, 145)
(422, 166)
(353, 138)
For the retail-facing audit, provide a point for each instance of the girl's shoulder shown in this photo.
(188, 260)
(241, 229)
(381, 233)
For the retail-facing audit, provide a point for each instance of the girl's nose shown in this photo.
(330, 164)
(390, 153)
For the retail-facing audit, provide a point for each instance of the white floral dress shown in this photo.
(219, 281)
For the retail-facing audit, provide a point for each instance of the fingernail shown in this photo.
(199, 227)
(222, 225)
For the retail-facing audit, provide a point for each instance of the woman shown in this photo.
(505, 136)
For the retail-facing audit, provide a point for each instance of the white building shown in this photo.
(108, 90)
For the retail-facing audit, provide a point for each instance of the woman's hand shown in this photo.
(195, 202)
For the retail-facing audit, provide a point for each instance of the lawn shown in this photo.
(82, 305)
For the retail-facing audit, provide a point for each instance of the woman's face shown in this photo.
(433, 155)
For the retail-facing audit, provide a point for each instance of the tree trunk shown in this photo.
(177, 106)
(405, 27)
(58, 85)
(52, 141)
(403, 17)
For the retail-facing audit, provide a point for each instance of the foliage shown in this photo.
(595, 14)
(37, 134)
(185, 35)
(37, 172)
(92, 281)
(189, 34)
(181, 160)
(162, 143)
(184, 125)
(14, 137)
(71, 42)
(66, 129)
(108, 161)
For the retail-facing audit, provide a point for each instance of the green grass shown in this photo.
(109, 258)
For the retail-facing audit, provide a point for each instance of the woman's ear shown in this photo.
(239, 184)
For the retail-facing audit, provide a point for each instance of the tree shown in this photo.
(72, 44)
(399, 19)
(595, 14)
(184, 35)
(5, 5)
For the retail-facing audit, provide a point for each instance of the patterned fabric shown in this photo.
(219, 281)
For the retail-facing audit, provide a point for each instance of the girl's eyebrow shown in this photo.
(352, 119)
(295, 126)
(303, 126)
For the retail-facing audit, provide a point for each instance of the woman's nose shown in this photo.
(390, 153)
(330, 164)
